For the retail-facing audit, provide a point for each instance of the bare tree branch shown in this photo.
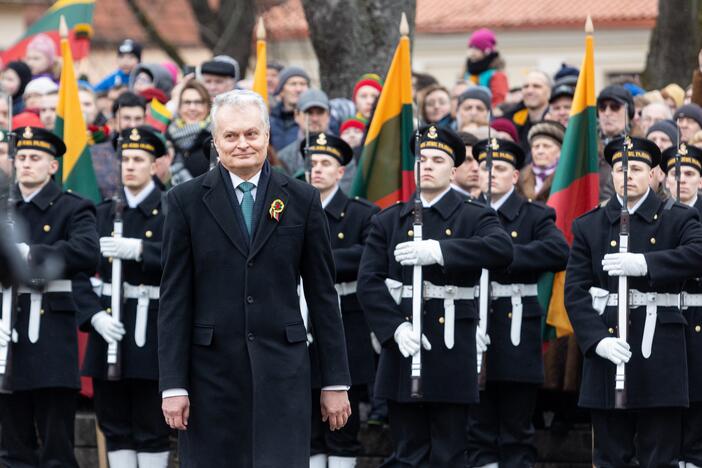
(153, 33)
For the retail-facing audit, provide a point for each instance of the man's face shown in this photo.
(217, 85)
(436, 170)
(466, 175)
(688, 128)
(317, 118)
(34, 168)
(47, 110)
(544, 151)
(612, 117)
(272, 78)
(638, 181)
(472, 111)
(661, 140)
(5, 163)
(560, 109)
(88, 105)
(437, 105)
(32, 101)
(456, 91)
(325, 173)
(652, 114)
(127, 62)
(353, 136)
(129, 117)
(365, 98)
(137, 169)
(292, 89)
(504, 177)
(241, 139)
(657, 178)
(535, 91)
(142, 82)
(690, 183)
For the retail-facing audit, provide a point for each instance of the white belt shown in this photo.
(346, 289)
(35, 297)
(601, 298)
(143, 294)
(690, 300)
(515, 292)
(448, 293)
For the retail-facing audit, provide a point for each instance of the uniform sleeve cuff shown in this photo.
(174, 392)
(331, 388)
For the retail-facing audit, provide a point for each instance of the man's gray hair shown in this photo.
(239, 98)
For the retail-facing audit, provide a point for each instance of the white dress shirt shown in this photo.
(134, 200)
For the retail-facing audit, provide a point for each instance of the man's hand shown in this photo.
(176, 410)
(625, 264)
(335, 408)
(121, 247)
(426, 252)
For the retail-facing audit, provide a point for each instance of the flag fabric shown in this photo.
(575, 188)
(158, 116)
(385, 172)
(76, 172)
(79, 18)
(260, 84)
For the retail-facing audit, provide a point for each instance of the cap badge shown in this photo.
(135, 135)
(28, 134)
(494, 145)
(432, 133)
(322, 139)
(627, 142)
(683, 149)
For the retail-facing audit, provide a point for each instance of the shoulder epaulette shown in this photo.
(361, 201)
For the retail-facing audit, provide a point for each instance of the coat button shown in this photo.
(41, 311)
(613, 243)
(154, 212)
(343, 213)
(249, 299)
(410, 233)
(149, 234)
(47, 228)
(251, 337)
(340, 235)
(698, 328)
(108, 310)
(448, 232)
(611, 331)
(655, 216)
(509, 314)
(442, 320)
(514, 234)
(653, 240)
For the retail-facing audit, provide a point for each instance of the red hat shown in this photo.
(154, 93)
(505, 125)
(353, 122)
(26, 119)
(369, 79)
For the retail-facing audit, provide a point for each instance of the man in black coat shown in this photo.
(500, 426)
(664, 250)
(128, 405)
(690, 161)
(233, 360)
(460, 238)
(349, 223)
(59, 234)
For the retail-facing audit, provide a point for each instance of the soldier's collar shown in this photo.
(510, 208)
(647, 209)
(46, 196)
(449, 202)
(151, 202)
(337, 204)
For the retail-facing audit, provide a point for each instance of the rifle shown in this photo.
(417, 283)
(114, 350)
(9, 292)
(677, 166)
(623, 286)
(484, 286)
(308, 163)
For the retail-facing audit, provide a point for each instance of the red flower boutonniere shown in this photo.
(276, 209)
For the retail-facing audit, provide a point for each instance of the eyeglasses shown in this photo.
(614, 106)
(198, 102)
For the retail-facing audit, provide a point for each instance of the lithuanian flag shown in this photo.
(79, 19)
(575, 189)
(260, 84)
(77, 172)
(386, 167)
(158, 116)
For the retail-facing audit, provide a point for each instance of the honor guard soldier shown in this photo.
(500, 426)
(349, 223)
(635, 379)
(59, 234)
(682, 166)
(460, 237)
(128, 406)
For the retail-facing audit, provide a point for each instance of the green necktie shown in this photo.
(247, 203)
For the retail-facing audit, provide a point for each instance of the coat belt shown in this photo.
(515, 292)
(690, 300)
(143, 294)
(602, 298)
(35, 298)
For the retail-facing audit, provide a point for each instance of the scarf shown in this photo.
(541, 174)
(482, 65)
(184, 135)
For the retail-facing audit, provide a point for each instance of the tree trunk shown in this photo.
(675, 41)
(354, 37)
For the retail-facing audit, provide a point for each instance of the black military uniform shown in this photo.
(669, 236)
(691, 300)
(129, 409)
(61, 234)
(431, 431)
(349, 223)
(500, 426)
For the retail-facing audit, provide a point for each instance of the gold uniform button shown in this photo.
(109, 260)
(698, 328)
(655, 216)
(340, 235)
(41, 311)
(410, 233)
(149, 234)
(47, 228)
(154, 212)
(343, 213)
(442, 320)
(611, 331)
(653, 240)
(514, 234)
(448, 232)
(613, 243)
(509, 314)
(108, 310)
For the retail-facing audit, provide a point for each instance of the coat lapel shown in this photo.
(266, 224)
(218, 202)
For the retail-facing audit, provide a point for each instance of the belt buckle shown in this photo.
(143, 291)
(450, 290)
(516, 289)
(651, 297)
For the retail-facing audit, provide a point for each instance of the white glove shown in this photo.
(23, 250)
(482, 340)
(110, 329)
(121, 247)
(625, 264)
(426, 252)
(408, 344)
(614, 349)
(5, 337)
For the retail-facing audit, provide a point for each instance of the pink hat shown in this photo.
(44, 44)
(172, 69)
(483, 39)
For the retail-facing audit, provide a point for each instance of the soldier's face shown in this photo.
(690, 183)
(137, 169)
(504, 177)
(34, 168)
(325, 172)
(241, 139)
(637, 183)
(467, 175)
(436, 170)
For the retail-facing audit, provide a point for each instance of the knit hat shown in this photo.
(24, 74)
(566, 70)
(665, 126)
(42, 85)
(128, 46)
(505, 125)
(674, 92)
(483, 39)
(44, 44)
(286, 74)
(548, 128)
(369, 79)
(693, 111)
(353, 122)
(481, 93)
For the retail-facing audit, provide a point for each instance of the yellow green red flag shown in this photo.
(260, 84)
